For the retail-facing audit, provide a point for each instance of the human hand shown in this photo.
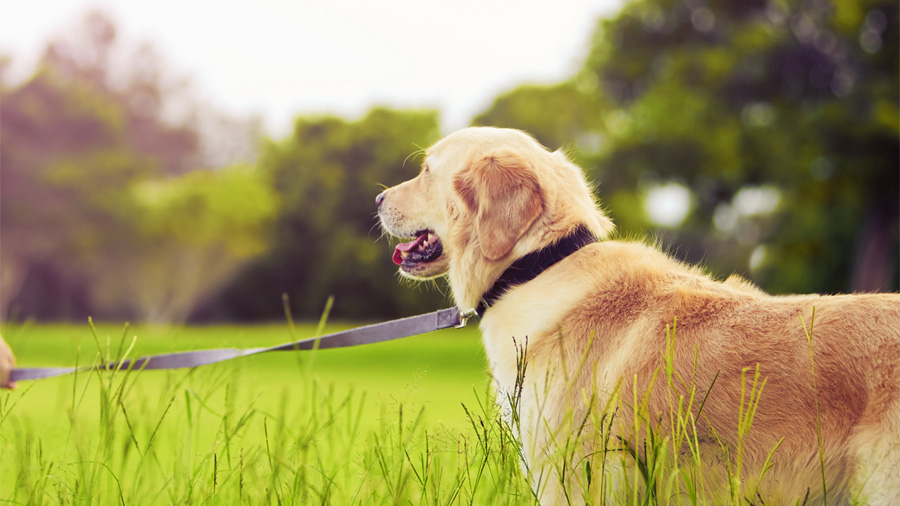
(7, 362)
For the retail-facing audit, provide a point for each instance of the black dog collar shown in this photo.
(531, 265)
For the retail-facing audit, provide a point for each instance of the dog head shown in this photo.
(484, 198)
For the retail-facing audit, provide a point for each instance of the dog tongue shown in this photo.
(407, 247)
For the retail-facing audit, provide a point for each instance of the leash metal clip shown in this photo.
(464, 318)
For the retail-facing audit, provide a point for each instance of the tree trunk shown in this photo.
(876, 264)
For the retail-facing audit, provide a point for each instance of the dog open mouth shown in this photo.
(426, 247)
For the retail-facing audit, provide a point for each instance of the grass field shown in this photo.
(410, 421)
(380, 424)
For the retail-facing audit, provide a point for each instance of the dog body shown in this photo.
(607, 343)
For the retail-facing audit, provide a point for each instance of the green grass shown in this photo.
(405, 422)
(379, 424)
(441, 365)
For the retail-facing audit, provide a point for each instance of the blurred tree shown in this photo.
(327, 175)
(65, 164)
(799, 95)
(137, 81)
(80, 142)
(781, 118)
(561, 115)
(194, 233)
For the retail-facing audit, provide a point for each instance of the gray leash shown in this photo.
(375, 333)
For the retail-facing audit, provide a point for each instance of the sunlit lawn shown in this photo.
(437, 370)
(225, 431)
(404, 422)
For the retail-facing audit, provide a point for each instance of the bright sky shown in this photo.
(281, 58)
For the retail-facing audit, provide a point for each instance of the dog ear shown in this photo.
(503, 193)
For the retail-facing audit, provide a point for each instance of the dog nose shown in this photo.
(379, 199)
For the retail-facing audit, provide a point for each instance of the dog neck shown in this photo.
(531, 265)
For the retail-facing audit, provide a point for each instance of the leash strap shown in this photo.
(375, 333)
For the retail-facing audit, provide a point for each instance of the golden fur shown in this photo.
(596, 329)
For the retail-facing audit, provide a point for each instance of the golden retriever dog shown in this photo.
(610, 357)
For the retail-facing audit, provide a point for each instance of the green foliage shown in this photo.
(226, 209)
(327, 175)
(98, 208)
(557, 116)
(66, 161)
(85, 162)
(108, 209)
(724, 96)
(190, 235)
(732, 95)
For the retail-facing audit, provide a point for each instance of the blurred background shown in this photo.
(195, 161)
